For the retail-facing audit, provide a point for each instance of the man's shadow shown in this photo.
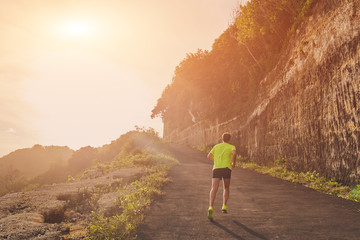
(252, 232)
(227, 230)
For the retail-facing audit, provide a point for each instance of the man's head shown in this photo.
(226, 137)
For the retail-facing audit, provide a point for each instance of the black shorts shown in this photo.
(222, 173)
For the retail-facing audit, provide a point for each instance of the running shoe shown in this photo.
(224, 209)
(210, 213)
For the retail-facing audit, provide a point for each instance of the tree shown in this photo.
(82, 159)
(223, 82)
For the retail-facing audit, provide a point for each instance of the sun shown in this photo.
(76, 28)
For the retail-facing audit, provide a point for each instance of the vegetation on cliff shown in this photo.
(229, 75)
(310, 179)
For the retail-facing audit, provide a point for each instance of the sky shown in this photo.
(78, 73)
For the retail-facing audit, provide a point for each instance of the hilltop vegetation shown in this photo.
(18, 167)
(30, 162)
(30, 168)
(229, 75)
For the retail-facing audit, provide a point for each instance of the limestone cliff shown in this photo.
(308, 108)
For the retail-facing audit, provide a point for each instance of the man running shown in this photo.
(224, 156)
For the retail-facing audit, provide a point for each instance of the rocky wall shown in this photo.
(308, 109)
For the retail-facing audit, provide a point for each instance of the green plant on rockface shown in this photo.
(355, 192)
(311, 179)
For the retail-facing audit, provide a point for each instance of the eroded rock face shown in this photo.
(29, 226)
(45, 213)
(308, 109)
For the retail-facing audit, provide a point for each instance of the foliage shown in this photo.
(82, 159)
(305, 11)
(133, 204)
(229, 75)
(57, 173)
(12, 181)
(310, 179)
(141, 148)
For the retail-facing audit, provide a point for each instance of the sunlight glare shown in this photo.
(76, 28)
(78, 94)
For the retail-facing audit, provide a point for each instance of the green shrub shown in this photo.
(151, 155)
(133, 205)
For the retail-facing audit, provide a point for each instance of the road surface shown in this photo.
(260, 207)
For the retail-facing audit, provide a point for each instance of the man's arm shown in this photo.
(210, 156)
(233, 163)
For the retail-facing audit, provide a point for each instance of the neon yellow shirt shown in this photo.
(222, 155)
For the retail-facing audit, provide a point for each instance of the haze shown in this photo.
(80, 73)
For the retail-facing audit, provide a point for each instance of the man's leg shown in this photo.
(214, 188)
(226, 192)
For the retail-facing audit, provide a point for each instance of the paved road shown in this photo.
(260, 207)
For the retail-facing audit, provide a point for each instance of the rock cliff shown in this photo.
(308, 108)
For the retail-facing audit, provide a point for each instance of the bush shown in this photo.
(311, 179)
(133, 205)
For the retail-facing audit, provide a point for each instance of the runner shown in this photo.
(224, 156)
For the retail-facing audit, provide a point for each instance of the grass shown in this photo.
(135, 198)
(134, 203)
(311, 179)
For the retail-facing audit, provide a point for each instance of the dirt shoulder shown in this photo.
(260, 207)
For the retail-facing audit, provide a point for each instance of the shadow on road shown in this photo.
(227, 230)
(252, 232)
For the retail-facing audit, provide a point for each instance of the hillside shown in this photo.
(29, 168)
(301, 105)
(114, 190)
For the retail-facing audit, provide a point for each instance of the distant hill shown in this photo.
(29, 168)
(36, 160)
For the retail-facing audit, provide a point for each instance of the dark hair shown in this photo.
(226, 137)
